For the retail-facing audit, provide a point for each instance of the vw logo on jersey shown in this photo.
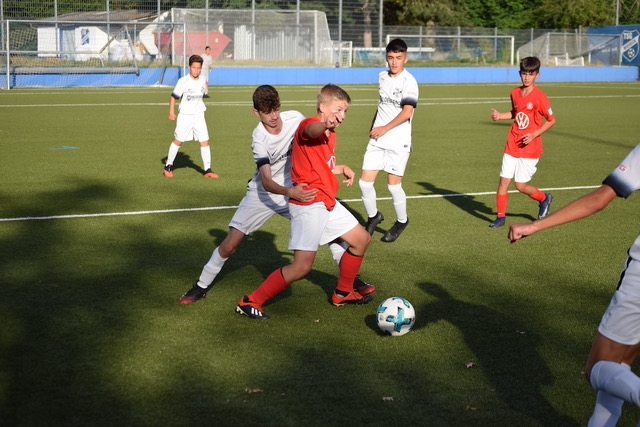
(522, 120)
(630, 44)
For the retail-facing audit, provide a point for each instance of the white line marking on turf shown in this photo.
(216, 208)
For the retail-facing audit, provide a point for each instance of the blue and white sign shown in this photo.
(630, 44)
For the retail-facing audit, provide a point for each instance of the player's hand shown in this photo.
(334, 119)
(377, 132)
(349, 174)
(526, 139)
(302, 193)
(518, 231)
(495, 114)
(172, 117)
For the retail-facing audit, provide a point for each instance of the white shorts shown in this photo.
(314, 225)
(256, 208)
(621, 321)
(380, 159)
(191, 127)
(516, 167)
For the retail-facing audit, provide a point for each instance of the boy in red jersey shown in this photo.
(524, 142)
(323, 219)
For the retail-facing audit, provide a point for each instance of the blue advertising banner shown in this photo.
(630, 37)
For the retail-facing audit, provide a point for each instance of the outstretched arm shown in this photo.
(583, 207)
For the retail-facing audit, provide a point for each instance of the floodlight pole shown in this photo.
(8, 60)
(380, 22)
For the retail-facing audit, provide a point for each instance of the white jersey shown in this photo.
(207, 60)
(621, 321)
(395, 92)
(275, 150)
(190, 92)
(625, 179)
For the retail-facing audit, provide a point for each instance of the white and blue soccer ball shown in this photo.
(396, 316)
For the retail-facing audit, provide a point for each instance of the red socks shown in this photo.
(501, 203)
(349, 267)
(538, 196)
(272, 286)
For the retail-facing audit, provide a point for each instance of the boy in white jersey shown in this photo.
(190, 122)
(390, 140)
(617, 342)
(207, 63)
(268, 191)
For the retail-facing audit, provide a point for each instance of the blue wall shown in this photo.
(319, 76)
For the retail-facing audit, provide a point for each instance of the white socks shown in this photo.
(211, 269)
(205, 152)
(607, 411)
(368, 197)
(173, 152)
(615, 384)
(399, 201)
(337, 250)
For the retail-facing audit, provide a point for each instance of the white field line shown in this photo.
(361, 102)
(217, 208)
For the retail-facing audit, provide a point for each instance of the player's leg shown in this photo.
(525, 170)
(174, 147)
(181, 133)
(371, 165)
(507, 172)
(251, 214)
(307, 225)
(251, 305)
(615, 346)
(395, 163)
(609, 374)
(338, 247)
(201, 133)
(343, 224)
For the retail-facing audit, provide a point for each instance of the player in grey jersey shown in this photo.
(617, 342)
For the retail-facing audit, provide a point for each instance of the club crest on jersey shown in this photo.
(529, 105)
(630, 44)
(331, 162)
(522, 120)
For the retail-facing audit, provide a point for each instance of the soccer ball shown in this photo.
(396, 316)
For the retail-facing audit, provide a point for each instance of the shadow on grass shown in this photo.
(259, 250)
(468, 203)
(182, 161)
(505, 350)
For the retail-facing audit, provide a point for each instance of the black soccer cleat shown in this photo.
(394, 232)
(193, 294)
(373, 222)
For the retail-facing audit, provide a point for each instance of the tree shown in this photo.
(575, 13)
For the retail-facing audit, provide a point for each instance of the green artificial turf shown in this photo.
(96, 247)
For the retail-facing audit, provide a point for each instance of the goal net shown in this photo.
(112, 53)
(574, 49)
(446, 48)
(83, 53)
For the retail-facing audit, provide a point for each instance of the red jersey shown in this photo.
(313, 161)
(529, 111)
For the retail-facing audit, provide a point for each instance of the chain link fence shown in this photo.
(120, 36)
